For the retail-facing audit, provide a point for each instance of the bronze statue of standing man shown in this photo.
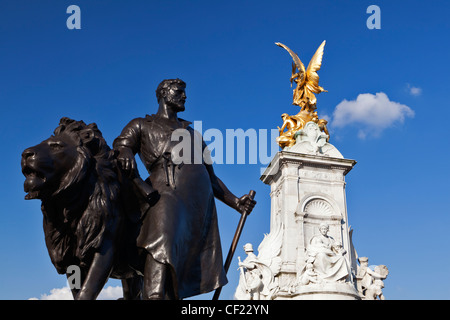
(179, 236)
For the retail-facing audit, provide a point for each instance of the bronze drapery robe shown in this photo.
(181, 229)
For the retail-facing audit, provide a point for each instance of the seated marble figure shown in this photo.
(325, 258)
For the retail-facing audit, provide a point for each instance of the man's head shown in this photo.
(173, 93)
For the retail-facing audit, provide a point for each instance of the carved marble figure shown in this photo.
(258, 274)
(327, 257)
(370, 282)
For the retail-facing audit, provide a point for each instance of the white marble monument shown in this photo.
(308, 253)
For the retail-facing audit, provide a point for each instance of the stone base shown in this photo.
(329, 291)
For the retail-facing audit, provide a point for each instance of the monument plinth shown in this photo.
(308, 253)
(307, 190)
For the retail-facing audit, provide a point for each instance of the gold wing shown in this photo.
(297, 61)
(312, 78)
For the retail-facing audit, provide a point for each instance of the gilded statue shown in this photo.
(307, 81)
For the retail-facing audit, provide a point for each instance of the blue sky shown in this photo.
(397, 194)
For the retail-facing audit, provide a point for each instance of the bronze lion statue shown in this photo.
(88, 220)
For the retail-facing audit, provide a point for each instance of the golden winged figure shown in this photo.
(307, 80)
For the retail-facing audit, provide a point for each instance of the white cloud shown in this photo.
(414, 91)
(108, 293)
(371, 113)
(56, 294)
(111, 293)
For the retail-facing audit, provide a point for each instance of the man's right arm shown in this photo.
(128, 144)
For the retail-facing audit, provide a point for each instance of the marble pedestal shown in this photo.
(307, 190)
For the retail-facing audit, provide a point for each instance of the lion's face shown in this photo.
(45, 165)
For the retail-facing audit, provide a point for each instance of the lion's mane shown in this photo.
(85, 207)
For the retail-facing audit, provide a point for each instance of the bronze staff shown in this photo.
(234, 244)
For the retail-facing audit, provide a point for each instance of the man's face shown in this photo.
(176, 97)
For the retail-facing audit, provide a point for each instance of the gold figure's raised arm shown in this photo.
(294, 74)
